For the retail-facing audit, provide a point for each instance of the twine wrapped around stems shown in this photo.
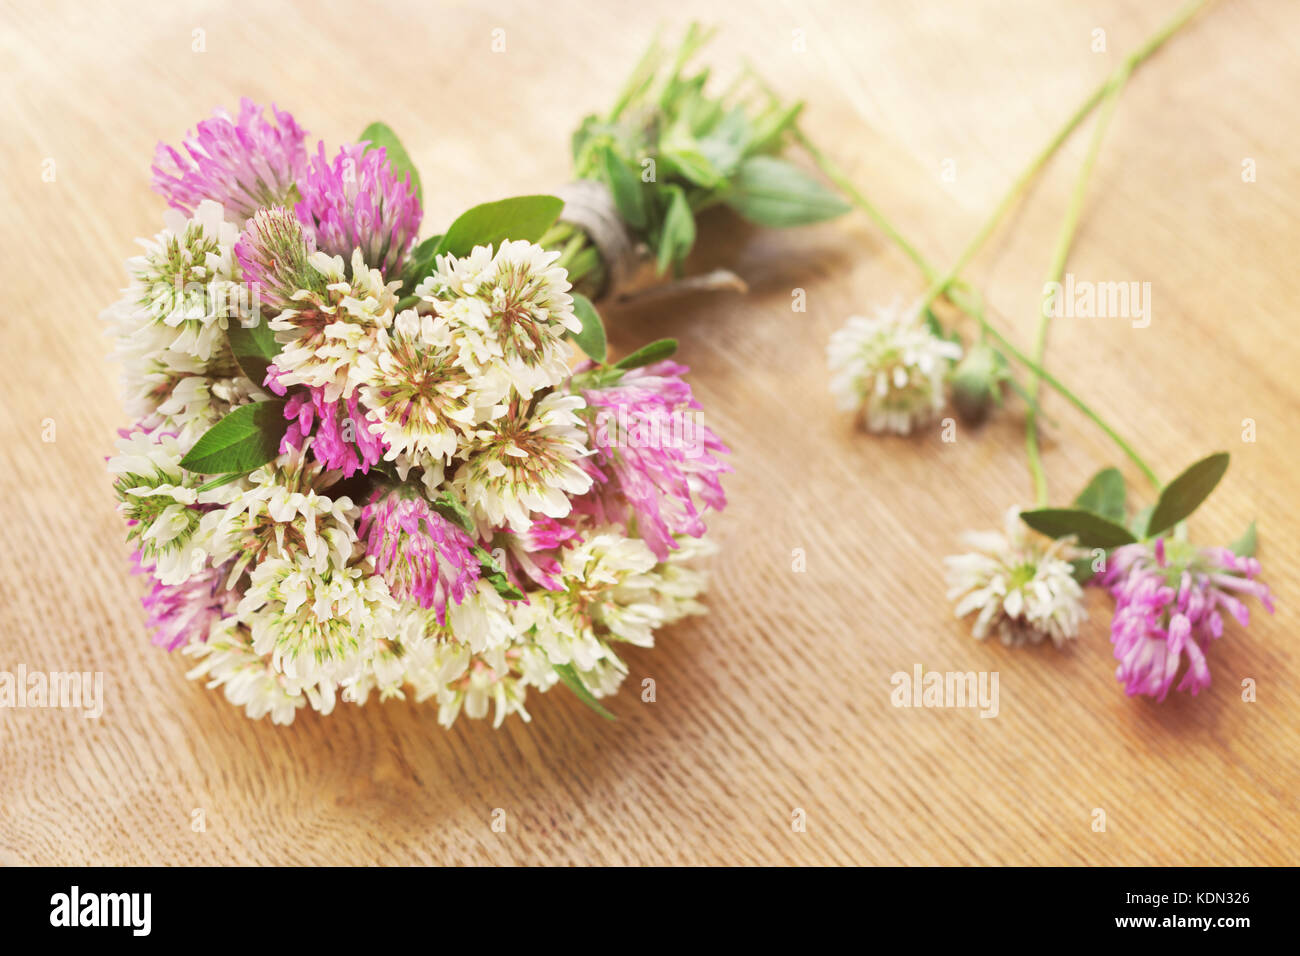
(589, 205)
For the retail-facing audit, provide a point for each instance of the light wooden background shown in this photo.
(779, 699)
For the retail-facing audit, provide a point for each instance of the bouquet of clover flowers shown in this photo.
(335, 490)
(362, 464)
(1025, 583)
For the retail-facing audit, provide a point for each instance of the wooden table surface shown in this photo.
(779, 699)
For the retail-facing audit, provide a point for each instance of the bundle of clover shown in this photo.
(362, 464)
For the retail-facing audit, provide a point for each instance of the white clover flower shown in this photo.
(186, 283)
(430, 473)
(402, 642)
(169, 330)
(161, 503)
(535, 668)
(606, 597)
(891, 367)
(675, 585)
(525, 464)
(325, 334)
(629, 610)
(465, 664)
(227, 660)
(418, 392)
(462, 681)
(175, 392)
(487, 681)
(510, 312)
(319, 628)
(605, 677)
(1024, 591)
(557, 629)
(195, 403)
(430, 665)
(482, 621)
(459, 276)
(279, 512)
(150, 369)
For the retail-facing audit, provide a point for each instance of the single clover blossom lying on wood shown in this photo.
(362, 465)
(1022, 585)
(892, 367)
(1169, 599)
(978, 380)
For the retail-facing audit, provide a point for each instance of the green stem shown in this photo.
(975, 310)
(940, 286)
(1064, 240)
(845, 185)
(1130, 63)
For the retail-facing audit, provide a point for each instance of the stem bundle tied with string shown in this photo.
(667, 150)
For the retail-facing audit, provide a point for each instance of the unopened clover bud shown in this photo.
(976, 382)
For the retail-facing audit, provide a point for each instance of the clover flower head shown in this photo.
(194, 403)
(481, 620)
(357, 202)
(511, 310)
(680, 582)
(661, 460)
(1169, 599)
(187, 612)
(604, 598)
(150, 369)
(422, 555)
(1024, 591)
(325, 334)
(275, 254)
(317, 626)
(242, 163)
(227, 660)
(419, 394)
(483, 682)
(281, 511)
(186, 284)
(161, 504)
(171, 391)
(891, 368)
(339, 433)
(464, 681)
(526, 463)
(467, 662)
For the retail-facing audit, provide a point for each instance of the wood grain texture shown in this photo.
(779, 698)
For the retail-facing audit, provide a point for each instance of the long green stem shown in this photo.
(1130, 63)
(855, 195)
(1064, 240)
(940, 286)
